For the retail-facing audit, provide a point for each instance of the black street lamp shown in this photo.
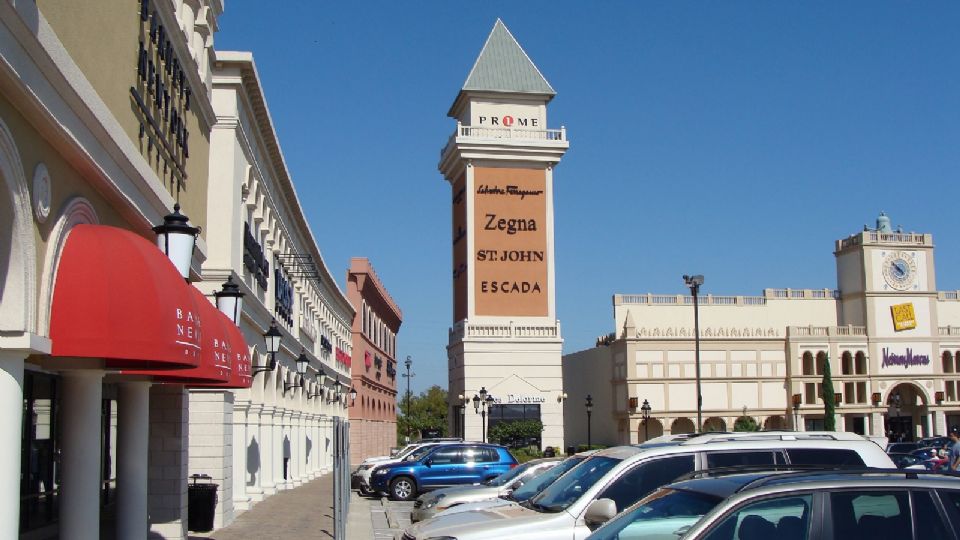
(480, 405)
(230, 300)
(408, 362)
(272, 339)
(353, 396)
(589, 413)
(302, 363)
(462, 408)
(694, 282)
(176, 238)
(645, 411)
(321, 378)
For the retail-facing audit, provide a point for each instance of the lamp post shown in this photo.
(589, 405)
(353, 396)
(645, 412)
(176, 238)
(480, 404)
(230, 300)
(694, 282)
(796, 411)
(321, 381)
(462, 411)
(408, 362)
(272, 339)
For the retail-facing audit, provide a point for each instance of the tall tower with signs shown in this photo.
(888, 286)
(505, 341)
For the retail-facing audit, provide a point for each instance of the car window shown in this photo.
(870, 514)
(733, 459)
(446, 456)
(474, 454)
(491, 455)
(569, 487)
(926, 517)
(541, 481)
(951, 503)
(646, 477)
(419, 453)
(661, 515)
(833, 457)
(782, 518)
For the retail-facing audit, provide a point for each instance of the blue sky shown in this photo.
(732, 139)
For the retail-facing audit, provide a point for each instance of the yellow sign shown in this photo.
(903, 316)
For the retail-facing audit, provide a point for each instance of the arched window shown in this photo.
(860, 361)
(846, 363)
(821, 360)
(807, 368)
(947, 362)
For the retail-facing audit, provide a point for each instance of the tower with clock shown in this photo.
(887, 284)
(504, 348)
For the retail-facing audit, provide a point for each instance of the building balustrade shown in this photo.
(515, 134)
(818, 331)
(466, 329)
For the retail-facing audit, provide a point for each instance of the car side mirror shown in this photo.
(428, 462)
(599, 512)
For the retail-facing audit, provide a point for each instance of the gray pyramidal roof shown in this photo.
(503, 66)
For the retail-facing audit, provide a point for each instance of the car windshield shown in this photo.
(542, 480)
(418, 453)
(406, 450)
(510, 475)
(665, 513)
(572, 485)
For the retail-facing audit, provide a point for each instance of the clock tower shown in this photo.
(505, 342)
(887, 284)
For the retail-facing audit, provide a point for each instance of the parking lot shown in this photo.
(389, 517)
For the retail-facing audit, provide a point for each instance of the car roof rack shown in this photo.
(775, 436)
(744, 469)
(908, 474)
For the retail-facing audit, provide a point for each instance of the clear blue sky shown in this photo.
(733, 139)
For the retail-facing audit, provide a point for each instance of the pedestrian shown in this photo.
(954, 456)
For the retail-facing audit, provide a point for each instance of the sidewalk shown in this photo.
(304, 512)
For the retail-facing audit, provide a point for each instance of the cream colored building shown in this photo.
(505, 340)
(891, 338)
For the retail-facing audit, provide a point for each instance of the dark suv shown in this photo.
(446, 465)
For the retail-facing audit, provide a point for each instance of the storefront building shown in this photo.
(373, 413)
(120, 376)
(890, 338)
(277, 434)
(505, 344)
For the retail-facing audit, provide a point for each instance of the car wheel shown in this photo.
(402, 488)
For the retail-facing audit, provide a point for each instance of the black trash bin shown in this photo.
(201, 503)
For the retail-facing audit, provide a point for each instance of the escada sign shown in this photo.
(905, 360)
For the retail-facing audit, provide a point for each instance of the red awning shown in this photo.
(216, 357)
(241, 375)
(119, 298)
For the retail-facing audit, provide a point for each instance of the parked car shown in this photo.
(360, 478)
(935, 442)
(430, 503)
(902, 447)
(441, 466)
(625, 474)
(932, 458)
(908, 461)
(792, 506)
(524, 492)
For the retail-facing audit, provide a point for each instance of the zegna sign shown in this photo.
(510, 232)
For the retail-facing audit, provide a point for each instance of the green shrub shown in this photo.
(526, 453)
(515, 434)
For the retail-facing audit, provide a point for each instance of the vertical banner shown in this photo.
(510, 252)
(460, 249)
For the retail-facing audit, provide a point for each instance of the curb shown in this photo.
(391, 523)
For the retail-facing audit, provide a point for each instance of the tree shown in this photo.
(829, 398)
(427, 411)
(516, 433)
(746, 423)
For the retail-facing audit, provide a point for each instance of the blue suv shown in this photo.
(446, 465)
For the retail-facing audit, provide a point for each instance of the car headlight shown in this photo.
(380, 471)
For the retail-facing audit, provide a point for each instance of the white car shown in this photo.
(623, 475)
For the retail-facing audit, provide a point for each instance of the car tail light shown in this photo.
(513, 465)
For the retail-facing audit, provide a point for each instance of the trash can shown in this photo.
(201, 503)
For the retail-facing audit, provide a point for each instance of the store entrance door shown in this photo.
(900, 428)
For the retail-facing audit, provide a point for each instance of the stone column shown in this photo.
(168, 459)
(133, 443)
(268, 469)
(939, 422)
(80, 462)
(278, 448)
(241, 501)
(11, 422)
(876, 425)
(295, 450)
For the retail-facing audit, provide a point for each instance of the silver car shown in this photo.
(430, 503)
(793, 506)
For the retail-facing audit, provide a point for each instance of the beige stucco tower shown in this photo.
(499, 162)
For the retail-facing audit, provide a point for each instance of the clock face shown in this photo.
(899, 270)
